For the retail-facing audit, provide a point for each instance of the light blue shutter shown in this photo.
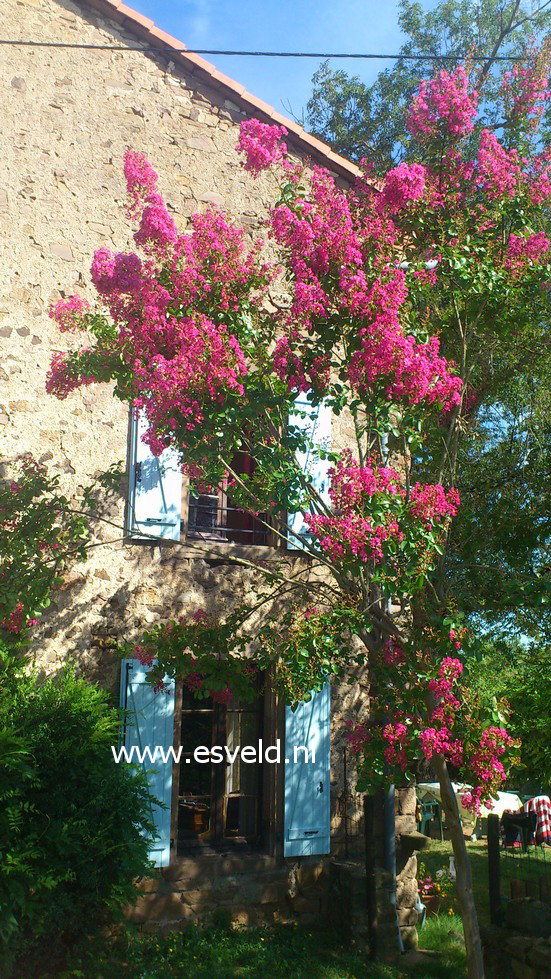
(308, 783)
(150, 722)
(317, 424)
(155, 488)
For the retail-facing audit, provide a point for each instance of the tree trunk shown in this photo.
(464, 881)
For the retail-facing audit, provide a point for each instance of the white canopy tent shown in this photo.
(430, 792)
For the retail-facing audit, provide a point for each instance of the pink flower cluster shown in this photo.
(141, 181)
(439, 741)
(351, 535)
(403, 185)
(523, 252)
(485, 764)
(145, 654)
(443, 103)
(116, 275)
(393, 653)
(498, 171)
(206, 362)
(222, 696)
(353, 532)
(352, 484)
(157, 231)
(170, 338)
(329, 241)
(357, 736)
(442, 686)
(395, 735)
(539, 178)
(17, 620)
(432, 503)
(528, 89)
(262, 145)
(409, 372)
(69, 313)
(62, 378)
(300, 374)
(213, 268)
(194, 681)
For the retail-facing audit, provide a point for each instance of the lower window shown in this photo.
(218, 802)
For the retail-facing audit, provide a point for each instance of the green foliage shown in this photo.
(203, 647)
(41, 530)
(522, 675)
(71, 820)
(361, 120)
(308, 647)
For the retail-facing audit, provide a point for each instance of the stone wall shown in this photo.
(521, 948)
(68, 116)
(247, 889)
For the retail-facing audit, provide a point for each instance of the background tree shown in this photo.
(521, 674)
(361, 120)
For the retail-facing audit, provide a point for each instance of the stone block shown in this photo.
(529, 916)
(61, 250)
(211, 197)
(148, 885)
(406, 893)
(152, 907)
(407, 916)
(406, 801)
(540, 956)
(410, 937)
(409, 870)
(518, 945)
(203, 143)
(405, 824)
(521, 970)
(303, 905)
(272, 893)
(196, 899)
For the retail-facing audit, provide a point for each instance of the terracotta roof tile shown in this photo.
(148, 31)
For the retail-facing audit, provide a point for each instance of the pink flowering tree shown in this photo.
(397, 294)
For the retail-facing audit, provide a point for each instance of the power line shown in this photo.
(258, 54)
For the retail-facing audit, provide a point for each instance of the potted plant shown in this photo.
(438, 890)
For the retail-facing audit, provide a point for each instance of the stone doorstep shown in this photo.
(414, 959)
(213, 865)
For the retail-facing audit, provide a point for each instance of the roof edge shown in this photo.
(147, 30)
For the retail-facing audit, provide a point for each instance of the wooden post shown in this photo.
(371, 891)
(493, 869)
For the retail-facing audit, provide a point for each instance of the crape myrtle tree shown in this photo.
(399, 293)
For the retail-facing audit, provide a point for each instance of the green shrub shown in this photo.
(71, 844)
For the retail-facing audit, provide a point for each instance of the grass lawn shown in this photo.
(284, 952)
(535, 864)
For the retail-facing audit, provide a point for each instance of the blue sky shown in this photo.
(286, 25)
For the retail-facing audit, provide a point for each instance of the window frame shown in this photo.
(266, 816)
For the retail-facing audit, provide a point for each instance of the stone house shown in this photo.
(256, 840)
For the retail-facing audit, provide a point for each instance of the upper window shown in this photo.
(212, 516)
(156, 491)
